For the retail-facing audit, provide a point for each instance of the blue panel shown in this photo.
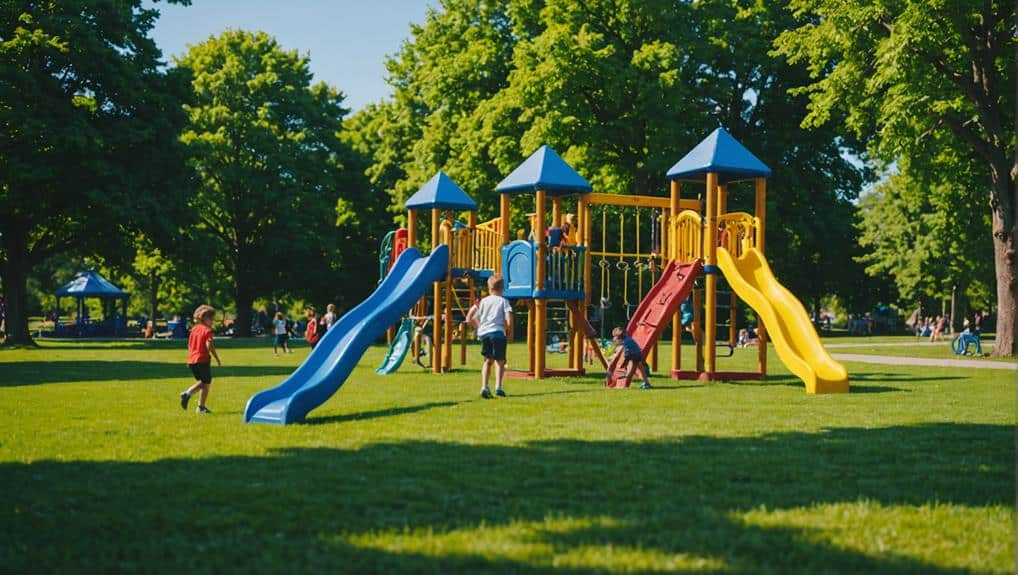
(518, 268)
(544, 170)
(722, 154)
(442, 193)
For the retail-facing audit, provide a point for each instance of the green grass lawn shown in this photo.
(913, 472)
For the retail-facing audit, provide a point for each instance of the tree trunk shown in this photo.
(15, 273)
(1004, 260)
(243, 300)
(153, 298)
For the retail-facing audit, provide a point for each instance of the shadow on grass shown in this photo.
(307, 508)
(22, 373)
(362, 415)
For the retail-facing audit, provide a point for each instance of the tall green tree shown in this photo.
(280, 195)
(88, 148)
(915, 76)
(929, 233)
(622, 88)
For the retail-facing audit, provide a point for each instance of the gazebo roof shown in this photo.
(442, 193)
(720, 153)
(544, 170)
(90, 284)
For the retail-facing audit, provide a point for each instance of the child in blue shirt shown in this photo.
(627, 346)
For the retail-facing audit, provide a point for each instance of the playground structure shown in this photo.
(679, 255)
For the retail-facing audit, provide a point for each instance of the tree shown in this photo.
(280, 196)
(929, 233)
(88, 149)
(622, 88)
(915, 76)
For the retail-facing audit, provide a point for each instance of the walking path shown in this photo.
(895, 360)
(925, 342)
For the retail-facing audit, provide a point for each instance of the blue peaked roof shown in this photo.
(91, 284)
(544, 170)
(721, 153)
(442, 193)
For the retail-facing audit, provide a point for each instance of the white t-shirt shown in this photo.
(490, 315)
(329, 318)
(280, 326)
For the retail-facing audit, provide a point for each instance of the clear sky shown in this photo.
(347, 39)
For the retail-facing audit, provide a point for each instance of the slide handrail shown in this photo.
(686, 236)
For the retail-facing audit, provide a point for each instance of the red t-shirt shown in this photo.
(311, 332)
(198, 344)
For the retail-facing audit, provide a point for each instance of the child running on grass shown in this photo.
(625, 344)
(492, 317)
(200, 351)
(282, 337)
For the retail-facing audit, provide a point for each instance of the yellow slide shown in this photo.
(786, 321)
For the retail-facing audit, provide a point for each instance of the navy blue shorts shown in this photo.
(281, 338)
(202, 372)
(493, 346)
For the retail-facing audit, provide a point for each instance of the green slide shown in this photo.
(397, 351)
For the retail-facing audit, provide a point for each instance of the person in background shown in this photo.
(281, 338)
(329, 318)
(311, 331)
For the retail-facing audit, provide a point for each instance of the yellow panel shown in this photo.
(788, 325)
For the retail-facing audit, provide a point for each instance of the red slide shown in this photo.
(654, 313)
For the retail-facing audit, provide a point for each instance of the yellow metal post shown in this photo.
(760, 208)
(540, 304)
(710, 242)
(504, 213)
(530, 336)
(411, 229)
(436, 326)
(677, 319)
(581, 240)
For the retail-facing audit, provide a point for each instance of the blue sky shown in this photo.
(347, 39)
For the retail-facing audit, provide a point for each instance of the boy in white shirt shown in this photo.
(492, 317)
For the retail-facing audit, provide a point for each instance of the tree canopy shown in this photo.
(88, 150)
(278, 191)
(917, 78)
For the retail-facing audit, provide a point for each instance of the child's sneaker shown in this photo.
(184, 398)
(646, 385)
(499, 392)
(202, 409)
(485, 393)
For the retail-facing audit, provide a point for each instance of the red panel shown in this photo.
(655, 312)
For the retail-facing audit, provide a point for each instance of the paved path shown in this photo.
(895, 360)
(921, 343)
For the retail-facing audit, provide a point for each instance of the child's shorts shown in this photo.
(493, 346)
(202, 372)
(281, 338)
(634, 357)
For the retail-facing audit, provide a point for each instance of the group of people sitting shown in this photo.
(933, 328)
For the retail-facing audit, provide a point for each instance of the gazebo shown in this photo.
(88, 284)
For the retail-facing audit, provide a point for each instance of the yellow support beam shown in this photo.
(640, 201)
(540, 305)
(710, 247)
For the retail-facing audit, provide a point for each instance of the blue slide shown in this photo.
(332, 360)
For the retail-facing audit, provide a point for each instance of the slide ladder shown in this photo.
(655, 312)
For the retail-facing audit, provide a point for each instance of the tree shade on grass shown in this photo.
(911, 472)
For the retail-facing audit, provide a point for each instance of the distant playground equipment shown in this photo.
(664, 262)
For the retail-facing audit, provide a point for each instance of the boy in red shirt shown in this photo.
(200, 351)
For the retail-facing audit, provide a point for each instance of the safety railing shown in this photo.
(566, 269)
(487, 245)
(737, 232)
(686, 236)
